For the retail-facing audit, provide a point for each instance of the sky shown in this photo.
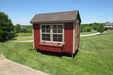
(22, 11)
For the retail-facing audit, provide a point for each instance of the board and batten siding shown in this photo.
(68, 42)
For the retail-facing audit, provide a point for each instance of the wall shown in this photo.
(68, 39)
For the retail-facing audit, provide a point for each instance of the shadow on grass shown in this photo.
(13, 39)
(7, 40)
(58, 54)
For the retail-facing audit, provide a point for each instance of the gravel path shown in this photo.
(25, 41)
(90, 34)
(8, 67)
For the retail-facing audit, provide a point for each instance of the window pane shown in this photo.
(57, 37)
(43, 28)
(48, 29)
(43, 37)
(59, 26)
(60, 37)
(59, 30)
(54, 37)
(48, 37)
(54, 26)
(54, 30)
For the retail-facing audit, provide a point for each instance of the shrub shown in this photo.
(100, 28)
(88, 29)
(6, 28)
(17, 28)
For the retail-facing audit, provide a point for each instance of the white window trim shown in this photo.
(51, 34)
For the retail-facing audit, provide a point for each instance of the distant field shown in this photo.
(24, 34)
(23, 37)
(95, 56)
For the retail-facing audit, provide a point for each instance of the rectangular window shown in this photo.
(45, 32)
(52, 33)
(57, 33)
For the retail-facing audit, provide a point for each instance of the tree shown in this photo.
(6, 28)
(17, 28)
(101, 28)
(88, 29)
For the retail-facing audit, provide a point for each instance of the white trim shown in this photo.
(74, 26)
(33, 38)
(51, 33)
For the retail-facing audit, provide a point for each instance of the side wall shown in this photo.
(76, 36)
(68, 39)
(79, 35)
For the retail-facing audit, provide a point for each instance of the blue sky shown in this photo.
(22, 11)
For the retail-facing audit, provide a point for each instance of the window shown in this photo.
(57, 33)
(52, 33)
(45, 32)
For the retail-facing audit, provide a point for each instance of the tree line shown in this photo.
(100, 27)
(23, 28)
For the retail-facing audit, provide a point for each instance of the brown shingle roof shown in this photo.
(68, 16)
(109, 23)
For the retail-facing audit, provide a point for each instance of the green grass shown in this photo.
(22, 37)
(95, 57)
(83, 33)
(24, 34)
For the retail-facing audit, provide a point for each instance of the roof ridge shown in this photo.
(57, 12)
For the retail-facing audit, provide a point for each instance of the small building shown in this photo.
(109, 26)
(57, 32)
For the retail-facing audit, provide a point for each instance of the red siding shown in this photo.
(68, 39)
(36, 28)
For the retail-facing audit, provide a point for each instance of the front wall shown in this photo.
(68, 39)
(36, 28)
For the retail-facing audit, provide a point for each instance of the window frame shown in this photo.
(44, 33)
(58, 33)
(51, 34)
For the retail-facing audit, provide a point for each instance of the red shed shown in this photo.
(57, 32)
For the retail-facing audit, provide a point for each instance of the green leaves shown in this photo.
(88, 29)
(101, 28)
(6, 28)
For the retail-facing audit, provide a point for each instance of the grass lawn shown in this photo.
(23, 37)
(83, 33)
(95, 57)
